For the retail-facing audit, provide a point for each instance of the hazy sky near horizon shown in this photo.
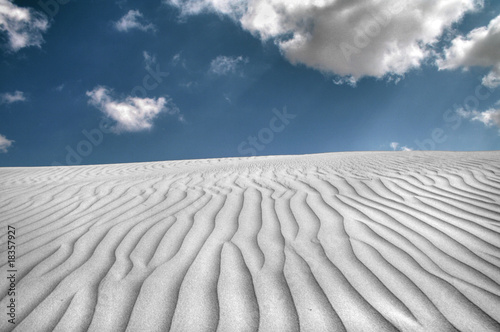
(94, 82)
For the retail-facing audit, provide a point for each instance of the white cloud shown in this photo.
(131, 114)
(176, 59)
(179, 60)
(4, 144)
(12, 97)
(351, 39)
(492, 80)
(233, 8)
(223, 65)
(149, 59)
(481, 47)
(133, 20)
(489, 117)
(349, 80)
(22, 26)
(394, 145)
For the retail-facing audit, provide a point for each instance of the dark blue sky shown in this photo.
(173, 85)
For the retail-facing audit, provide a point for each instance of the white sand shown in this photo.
(371, 241)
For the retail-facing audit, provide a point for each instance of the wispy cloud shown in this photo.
(12, 97)
(351, 39)
(179, 60)
(224, 65)
(133, 20)
(132, 114)
(395, 146)
(481, 47)
(5, 144)
(149, 59)
(232, 8)
(489, 118)
(176, 59)
(22, 27)
(60, 87)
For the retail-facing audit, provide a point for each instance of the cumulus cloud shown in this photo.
(4, 143)
(489, 117)
(481, 47)
(12, 97)
(23, 27)
(348, 38)
(133, 20)
(132, 114)
(224, 65)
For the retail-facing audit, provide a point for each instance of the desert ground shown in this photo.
(360, 241)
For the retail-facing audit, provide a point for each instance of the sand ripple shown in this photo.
(332, 242)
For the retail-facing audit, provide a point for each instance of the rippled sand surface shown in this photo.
(365, 241)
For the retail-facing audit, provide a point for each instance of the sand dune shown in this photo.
(371, 241)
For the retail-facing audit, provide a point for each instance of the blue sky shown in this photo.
(95, 82)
